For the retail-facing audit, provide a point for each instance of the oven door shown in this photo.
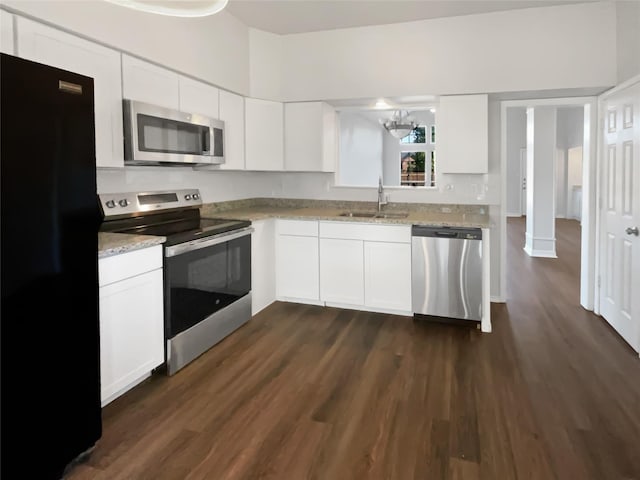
(205, 276)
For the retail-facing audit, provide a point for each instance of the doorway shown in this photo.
(581, 198)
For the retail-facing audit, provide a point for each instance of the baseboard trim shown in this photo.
(498, 299)
(540, 253)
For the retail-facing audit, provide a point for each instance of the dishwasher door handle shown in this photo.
(446, 234)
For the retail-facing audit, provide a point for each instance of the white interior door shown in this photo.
(619, 240)
(523, 181)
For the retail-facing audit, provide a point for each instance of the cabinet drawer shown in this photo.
(366, 231)
(126, 265)
(303, 228)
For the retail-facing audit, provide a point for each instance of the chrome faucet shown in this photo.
(381, 199)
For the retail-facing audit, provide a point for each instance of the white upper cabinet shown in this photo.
(232, 114)
(47, 45)
(463, 134)
(264, 135)
(309, 137)
(198, 97)
(6, 33)
(149, 83)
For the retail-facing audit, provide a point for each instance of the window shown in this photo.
(412, 168)
(369, 151)
(417, 166)
(432, 173)
(417, 135)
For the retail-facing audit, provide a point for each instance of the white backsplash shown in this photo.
(221, 185)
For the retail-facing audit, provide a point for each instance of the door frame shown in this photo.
(523, 182)
(590, 182)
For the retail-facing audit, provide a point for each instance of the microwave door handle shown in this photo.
(206, 140)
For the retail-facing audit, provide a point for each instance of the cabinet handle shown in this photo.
(632, 231)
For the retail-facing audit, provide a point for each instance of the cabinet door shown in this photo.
(131, 331)
(198, 97)
(297, 266)
(6, 33)
(303, 128)
(462, 127)
(341, 271)
(264, 134)
(263, 278)
(149, 83)
(47, 45)
(387, 275)
(309, 137)
(232, 113)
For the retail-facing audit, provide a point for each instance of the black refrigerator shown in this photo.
(50, 415)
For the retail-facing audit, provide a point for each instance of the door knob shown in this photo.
(632, 231)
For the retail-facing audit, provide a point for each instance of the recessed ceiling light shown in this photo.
(175, 8)
(381, 104)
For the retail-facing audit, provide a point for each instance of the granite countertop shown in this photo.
(453, 216)
(296, 209)
(116, 243)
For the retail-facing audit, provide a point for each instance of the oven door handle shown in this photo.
(206, 242)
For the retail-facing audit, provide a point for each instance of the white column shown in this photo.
(541, 150)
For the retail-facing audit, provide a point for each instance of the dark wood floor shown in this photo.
(322, 393)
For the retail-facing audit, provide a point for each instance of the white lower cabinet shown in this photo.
(387, 275)
(366, 266)
(341, 271)
(131, 319)
(263, 288)
(352, 265)
(297, 261)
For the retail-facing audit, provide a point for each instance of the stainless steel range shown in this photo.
(207, 266)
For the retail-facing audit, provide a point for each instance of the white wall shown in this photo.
(214, 48)
(569, 135)
(561, 183)
(527, 49)
(570, 126)
(360, 150)
(265, 65)
(574, 182)
(516, 140)
(215, 186)
(628, 38)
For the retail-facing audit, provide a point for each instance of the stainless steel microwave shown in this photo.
(155, 135)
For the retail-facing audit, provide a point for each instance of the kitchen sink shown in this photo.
(391, 215)
(374, 214)
(359, 214)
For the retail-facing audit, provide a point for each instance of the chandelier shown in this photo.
(400, 124)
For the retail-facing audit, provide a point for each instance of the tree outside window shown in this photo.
(412, 168)
(417, 167)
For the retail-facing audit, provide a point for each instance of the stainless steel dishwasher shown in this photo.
(446, 273)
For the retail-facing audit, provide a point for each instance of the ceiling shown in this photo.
(297, 16)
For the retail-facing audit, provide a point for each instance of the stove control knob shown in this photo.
(110, 203)
(187, 197)
(124, 202)
(196, 196)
